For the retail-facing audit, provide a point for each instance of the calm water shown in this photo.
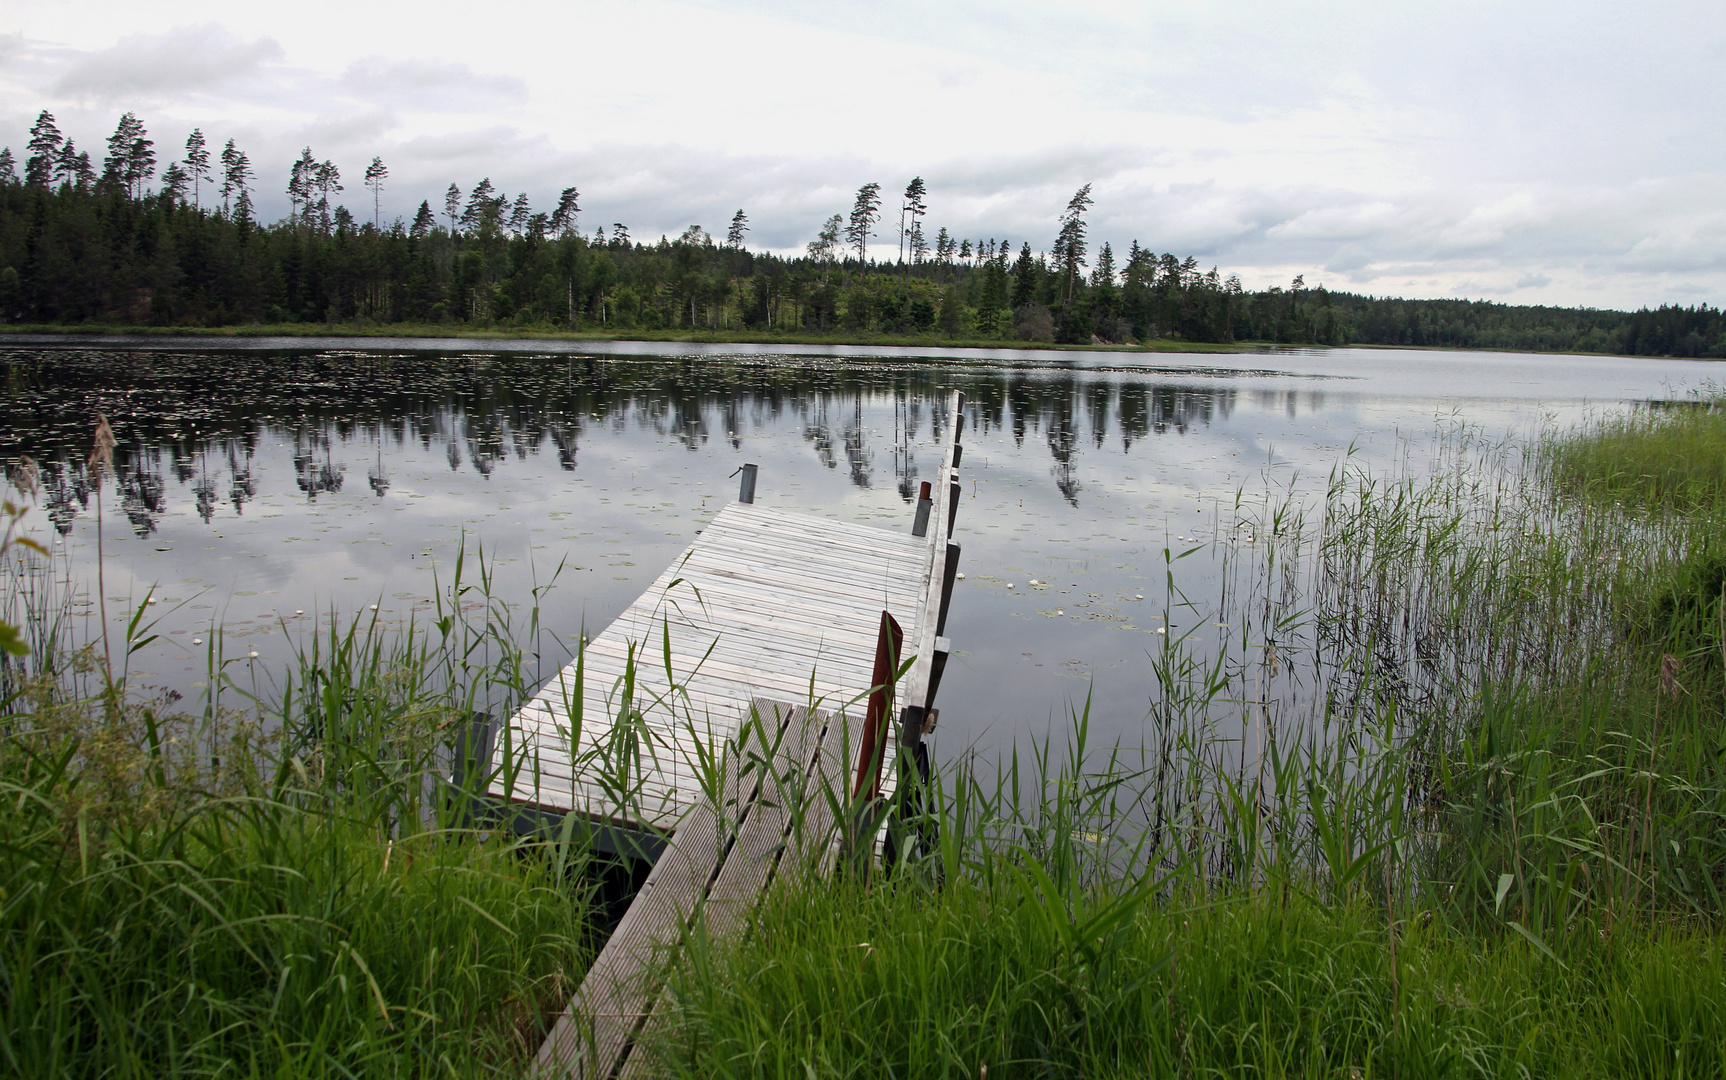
(275, 477)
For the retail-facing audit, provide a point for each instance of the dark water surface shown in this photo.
(263, 479)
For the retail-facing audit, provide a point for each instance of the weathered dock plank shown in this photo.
(764, 604)
(728, 706)
(717, 863)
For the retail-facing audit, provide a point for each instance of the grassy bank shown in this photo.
(513, 332)
(1434, 786)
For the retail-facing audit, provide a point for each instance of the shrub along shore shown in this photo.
(1434, 789)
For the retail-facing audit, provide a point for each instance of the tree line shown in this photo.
(178, 243)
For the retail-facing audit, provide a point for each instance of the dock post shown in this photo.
(920, 524)
(746, 486)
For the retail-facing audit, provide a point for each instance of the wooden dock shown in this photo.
(744, 712)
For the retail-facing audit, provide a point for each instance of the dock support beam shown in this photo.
(746, 486)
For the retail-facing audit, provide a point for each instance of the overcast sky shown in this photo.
(1527, 152)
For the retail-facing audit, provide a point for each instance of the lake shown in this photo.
(260, 483)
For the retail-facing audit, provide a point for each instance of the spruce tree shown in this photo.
(943, 247)
(1104, 274)
(8, 167)
(197, 165)
(174, 183)
(44, 147)
(1025, 274)
(424, 221)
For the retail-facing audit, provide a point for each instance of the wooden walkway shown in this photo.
(731, 708)
(764, 605)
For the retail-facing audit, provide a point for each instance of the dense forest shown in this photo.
(131, 246)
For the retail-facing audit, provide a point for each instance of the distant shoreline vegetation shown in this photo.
(82, 250)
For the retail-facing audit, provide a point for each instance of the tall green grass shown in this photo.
(1673, 454)
(974, 982)
(276, 880)
(1433, 787)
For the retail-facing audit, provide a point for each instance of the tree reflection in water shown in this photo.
(188, 413)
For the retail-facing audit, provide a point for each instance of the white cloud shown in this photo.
(185, 59)
(1560, 151)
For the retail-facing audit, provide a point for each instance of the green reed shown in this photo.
(277, 879)
(1432, 787)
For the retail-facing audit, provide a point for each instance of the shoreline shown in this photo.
(411, 331)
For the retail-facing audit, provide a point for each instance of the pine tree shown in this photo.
(236, 178)
(326, 180)
(478, 205)
(826, 244)
(376, 173)
(131, 159)
(452, 206)
(44, 147)
(739, 226)
(865, 212)
(1070, 243)
(568, 208)
(197, 165)
(69, 164)
(8, 167)
(620, 234)
(424, 221)
(916, 207)
(301, 176)
(965, 251)
(520, 213)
